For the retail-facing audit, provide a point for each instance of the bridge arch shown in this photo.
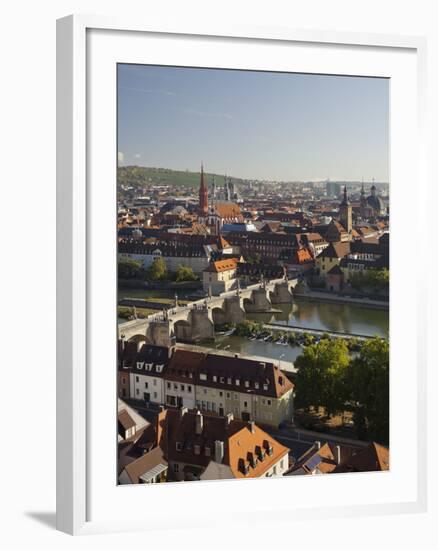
(183, 331)
(219, 316)
(139, 339)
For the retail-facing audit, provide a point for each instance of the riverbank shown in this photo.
(327, 297)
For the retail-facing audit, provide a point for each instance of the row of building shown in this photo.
(250, 390)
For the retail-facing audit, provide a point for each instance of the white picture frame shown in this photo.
(79, 222)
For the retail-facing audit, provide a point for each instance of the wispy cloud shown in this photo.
(137, 155)
(207, 114)
(148, 91)
(120, 156)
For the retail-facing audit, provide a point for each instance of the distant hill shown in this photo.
(140, 176)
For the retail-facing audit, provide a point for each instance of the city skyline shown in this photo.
(254, 125)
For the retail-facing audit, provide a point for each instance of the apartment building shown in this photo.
(250, 390)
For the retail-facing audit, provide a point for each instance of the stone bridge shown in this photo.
(197, 320)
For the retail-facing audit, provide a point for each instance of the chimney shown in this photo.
(251, 426)
(183, 410)
(229, 418)
(219, 451)
(318, 444)
(338, 454)
(199, 423)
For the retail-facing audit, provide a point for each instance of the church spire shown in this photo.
(203, 193)
(345, 199)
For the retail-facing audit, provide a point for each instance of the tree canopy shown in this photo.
(157, 271)
(185, 273)
(373, 279)
(328, 376)
(320, 376)
(130, 269)
(368, 383)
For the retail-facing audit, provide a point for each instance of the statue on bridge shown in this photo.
(176, 299)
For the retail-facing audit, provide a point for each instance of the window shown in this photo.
(176, 468)
(221, 394)
(189, 389)
(228, 380)
(178, 446)
(246, 384)
(245, 404)
(175, 386)
(155, 395)
(146, 385)
(205, 390)
(269, 402)
(197, 449)
(137, 379)
(155, 381)
(202, 376)
(237, 382)
(182, 387)
(256, 385)
(214, 378)
(168, 385)
(228, 395)
(137, 391)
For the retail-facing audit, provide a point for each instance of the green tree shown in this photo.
(129, 269)
(373, 279)
(368, 383)
(185, 273)
(320, 380)
(157, 271)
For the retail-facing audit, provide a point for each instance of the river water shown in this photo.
(347, 318)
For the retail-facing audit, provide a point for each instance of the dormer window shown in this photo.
(237, 382)
(214, 378)
(178, 446)
(265, 387)
(256, 385)
(228, 380)
(246, 384)
(207, 451)
(139, 365)
(197, 449)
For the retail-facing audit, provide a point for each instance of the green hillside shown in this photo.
(141, 176)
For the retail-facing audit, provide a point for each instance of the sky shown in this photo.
(254, 125)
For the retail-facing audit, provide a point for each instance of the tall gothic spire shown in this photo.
(345, 199)
(203, 193)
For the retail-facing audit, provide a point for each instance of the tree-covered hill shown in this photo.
(141, 176)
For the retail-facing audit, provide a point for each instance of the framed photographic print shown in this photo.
(238, 330)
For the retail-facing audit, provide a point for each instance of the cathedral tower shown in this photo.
(203, 194)
(346, 213)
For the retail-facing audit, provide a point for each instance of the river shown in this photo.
(347, 318)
